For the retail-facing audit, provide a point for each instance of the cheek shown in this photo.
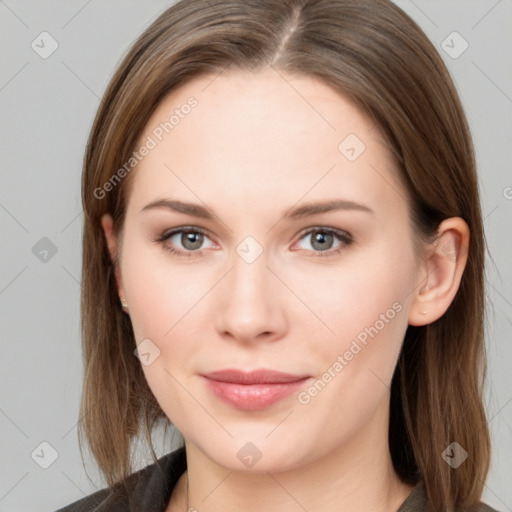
(367, 309)
(366, 304)
(167, 303)
(371, 290)
(162, 301)
(161, 293)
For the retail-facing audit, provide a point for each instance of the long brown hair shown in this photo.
(375, 55)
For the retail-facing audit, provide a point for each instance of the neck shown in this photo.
(357, 475)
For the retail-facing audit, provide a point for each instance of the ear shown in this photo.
(107, 224)
(442, 271)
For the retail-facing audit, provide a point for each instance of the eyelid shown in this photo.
(326, 229)
(172, 231)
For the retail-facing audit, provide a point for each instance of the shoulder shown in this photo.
(111, 499)
(417, 501)
(101, 500)
(147, 489)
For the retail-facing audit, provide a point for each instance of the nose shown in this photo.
(250, 303)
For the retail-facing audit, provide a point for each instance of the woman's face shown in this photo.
(265, 281)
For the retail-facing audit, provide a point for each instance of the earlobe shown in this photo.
(444, 265)
(107, 224)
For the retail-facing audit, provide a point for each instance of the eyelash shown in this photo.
(343, 236)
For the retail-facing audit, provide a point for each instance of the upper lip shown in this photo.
(261, 376)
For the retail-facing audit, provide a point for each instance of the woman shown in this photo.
(283, 256)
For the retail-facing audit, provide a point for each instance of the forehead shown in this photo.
(264, 134)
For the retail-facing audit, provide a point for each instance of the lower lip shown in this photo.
(252, 396)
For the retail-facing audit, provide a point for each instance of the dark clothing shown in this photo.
(149, 490)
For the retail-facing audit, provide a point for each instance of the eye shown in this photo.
(323, 241)
(184, 241)
(188, 241)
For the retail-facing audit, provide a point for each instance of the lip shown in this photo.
(252, 390)
(262, 376)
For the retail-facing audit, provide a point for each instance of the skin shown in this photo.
(289, 310)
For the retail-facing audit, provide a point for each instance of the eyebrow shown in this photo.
(299, 212)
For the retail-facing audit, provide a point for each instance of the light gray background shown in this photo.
(47, 107)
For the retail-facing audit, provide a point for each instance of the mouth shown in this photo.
(252, 390)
